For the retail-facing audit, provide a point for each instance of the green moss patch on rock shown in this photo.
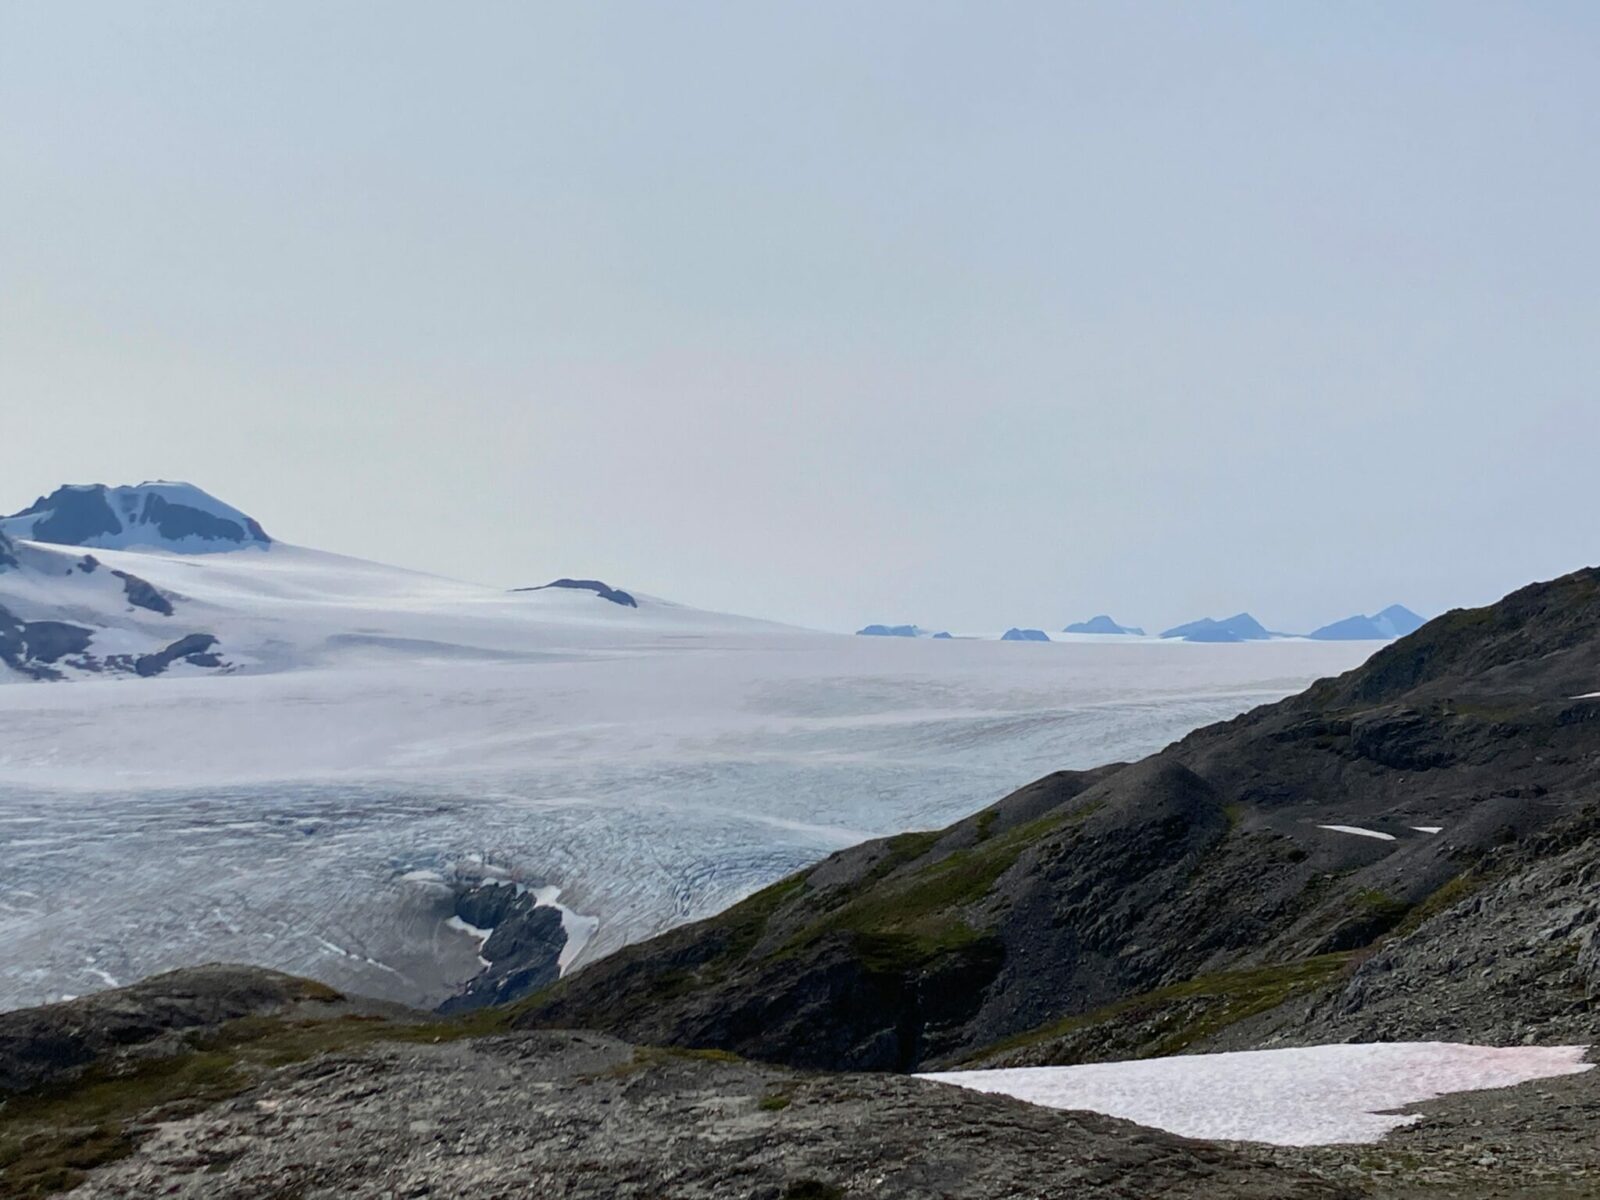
(1168, 1020)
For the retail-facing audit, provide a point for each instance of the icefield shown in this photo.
(382, 727)
(1300, 1096)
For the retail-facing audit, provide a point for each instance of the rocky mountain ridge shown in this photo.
(1284, 842)
(171, 516)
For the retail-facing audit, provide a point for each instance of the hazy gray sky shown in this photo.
(970, 315)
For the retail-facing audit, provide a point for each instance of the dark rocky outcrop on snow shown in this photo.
(33, 648)
(194, 649)
(41, 649)
(1202, 880)
(603, 590)
(523, 949)
(904, 631)
(38, 645)
(142, 594)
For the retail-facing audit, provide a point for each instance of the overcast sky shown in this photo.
(970, 315)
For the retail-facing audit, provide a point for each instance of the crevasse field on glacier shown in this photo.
(385, 728)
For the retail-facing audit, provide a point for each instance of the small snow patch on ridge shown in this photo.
(1359, 832)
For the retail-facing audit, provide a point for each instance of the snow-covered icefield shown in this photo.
(1301, 1096)
(655, 764)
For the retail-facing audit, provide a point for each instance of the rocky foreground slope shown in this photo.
(244, 1083)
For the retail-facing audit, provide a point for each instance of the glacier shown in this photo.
(381, 727)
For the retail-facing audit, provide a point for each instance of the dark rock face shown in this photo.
(523, 950)
(1518, 959)
(941, 636)
(905, 631)
(1024, 635)
(85, 515)
(177, 521)
(1085, 890)
(51, 641)
(142, 594)
(1102, 624)
(1241, 627)
(72, 516)
(8, 553)
(603, 590)
(33, 647)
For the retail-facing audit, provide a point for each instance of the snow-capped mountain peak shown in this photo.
(160, 515)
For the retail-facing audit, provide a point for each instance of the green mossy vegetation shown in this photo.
(1381, 907)
(902, 921)
(1211, 1003)
(812, 1189)
(1446, 896)
(746, 922)
(647, 1057)
(776, 1101)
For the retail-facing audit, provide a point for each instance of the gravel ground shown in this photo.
(1541, 1139)
(575, 1115)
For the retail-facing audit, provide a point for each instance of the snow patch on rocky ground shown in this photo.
(1301, 1096)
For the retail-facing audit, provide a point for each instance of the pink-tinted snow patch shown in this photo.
(1303, 1096)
